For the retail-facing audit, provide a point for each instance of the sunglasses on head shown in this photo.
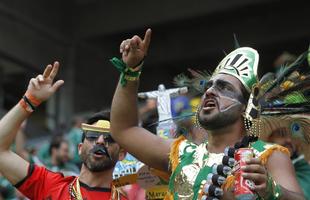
(93, 136)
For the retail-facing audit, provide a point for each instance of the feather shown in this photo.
(296, 125)
(236, 42)
(302, 86)
(195, 83)
(295, 98)
(284, 100)
(181, 80)
(287, 71)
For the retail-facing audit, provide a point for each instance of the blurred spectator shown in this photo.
(74, 137)
(283, 137)
(59, 157)
(7, 191)
(302, 167)
(43, 152)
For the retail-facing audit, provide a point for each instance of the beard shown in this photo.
(97, 165)
(220, 119)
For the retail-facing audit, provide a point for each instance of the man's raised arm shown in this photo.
(13, 167)
(148, 148)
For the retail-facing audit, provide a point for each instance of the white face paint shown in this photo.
(235, 102)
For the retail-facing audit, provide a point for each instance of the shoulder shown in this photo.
(40, 174)
(40, 181)
(180, 149)
(264, 150)
(182, 146)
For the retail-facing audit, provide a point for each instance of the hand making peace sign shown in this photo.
(42, 87)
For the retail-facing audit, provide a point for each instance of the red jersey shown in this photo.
(42, 184)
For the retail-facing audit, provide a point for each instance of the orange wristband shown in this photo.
(29, 102)
(34, 101)
(24, 105)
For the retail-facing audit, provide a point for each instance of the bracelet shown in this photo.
(29, 102)
(274, 191)
(127, 74)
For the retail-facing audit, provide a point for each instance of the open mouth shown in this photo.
(209, 104)
(99, 152)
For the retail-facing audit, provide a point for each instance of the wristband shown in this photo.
(273, 190)
(29, 102)
(127, 74)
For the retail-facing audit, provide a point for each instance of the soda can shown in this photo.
(243, 187)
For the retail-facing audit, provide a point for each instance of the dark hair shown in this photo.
(245, 95)
(57, 140)
(150, 120)
(102, 115)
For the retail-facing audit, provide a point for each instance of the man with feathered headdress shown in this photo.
(193, 167)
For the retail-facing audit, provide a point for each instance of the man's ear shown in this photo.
(122, 154)
(80, 148)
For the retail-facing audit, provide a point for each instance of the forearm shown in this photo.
(124, 111)
(9, 126)
(289, 195)
(20, 144)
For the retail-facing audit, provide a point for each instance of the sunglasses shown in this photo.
(93, 136)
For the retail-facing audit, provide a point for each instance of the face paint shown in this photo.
(222, 104)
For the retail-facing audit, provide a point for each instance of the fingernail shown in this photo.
(244, 174)
(243, 167)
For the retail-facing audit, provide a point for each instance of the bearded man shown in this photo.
(220, 114)
(98, 151)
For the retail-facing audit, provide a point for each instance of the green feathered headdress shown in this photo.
(241, 63)
(281, 102)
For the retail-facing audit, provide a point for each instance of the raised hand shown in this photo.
(135, 49)
(42, 87)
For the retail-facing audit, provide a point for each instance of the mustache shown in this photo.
(101, 148)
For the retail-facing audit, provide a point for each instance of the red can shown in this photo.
(243, 187)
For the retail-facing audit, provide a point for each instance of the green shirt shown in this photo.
(194, 165)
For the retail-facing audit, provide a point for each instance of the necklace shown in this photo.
(76, 194)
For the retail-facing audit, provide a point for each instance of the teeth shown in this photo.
(210, 104)
(99, 152)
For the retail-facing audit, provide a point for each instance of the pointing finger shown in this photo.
(147, 40)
